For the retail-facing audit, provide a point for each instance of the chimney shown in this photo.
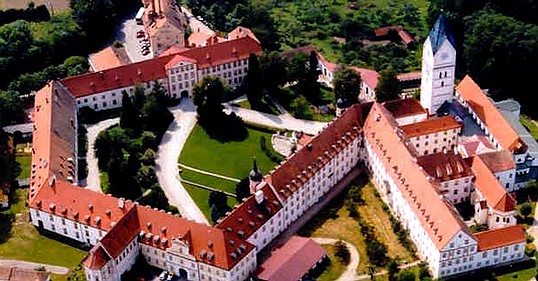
(259, 196)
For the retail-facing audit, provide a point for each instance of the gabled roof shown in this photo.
(498, 161)
(240, 32)
(177, 59)
(404, 107)
(485, 182)
(437, 216)
(440, 32)
(445, 166)
(369, 77)
(430, 126)
(291, 261)
(96, 258)
(500, 237)
(303, 164)
(490, 116)
(107, 58)
(475, 144)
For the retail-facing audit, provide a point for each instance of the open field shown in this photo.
(56, 5)
(232, 159)
(20, 240)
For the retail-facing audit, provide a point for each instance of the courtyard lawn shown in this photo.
(335, 268)
(214, 182)
(522, 275)
(530, 125)
(232, 159)
(25, 161)
(20, 240)
(201, 197)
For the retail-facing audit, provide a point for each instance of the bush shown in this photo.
(530, 249)
(269, 151)
(342, 252)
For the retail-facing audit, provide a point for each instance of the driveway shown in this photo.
(282, 122)
(33, 265)
(127, 36)
(351, 270)
(166, 163)
(92, 181)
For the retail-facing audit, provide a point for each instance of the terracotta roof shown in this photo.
(430, 126)
(173, 50)
(490, 188)
(200, 39)
(177, 59)
(490, 116)
(500, 237)
(240, 32)
(303, 164)
(107, 58)
(406, 38)
(384, 31)
(249, 216)
(122, 233)
(96, 258)
(404, 107)
(291, 261)
(475, 144)
(409, 76)
(304, 139)
(438, 217)
(22, 274)
(54, 136)
(368, 76)
(445, 166)
(498, 161)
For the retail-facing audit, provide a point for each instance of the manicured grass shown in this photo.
(265, 106)
(25, 161)
(530, 125)
(201, 197)
(103, 179)
(24, 242)
(335, 267)
(522, 275)
(372, 211)
(214, 182)
(233, 159)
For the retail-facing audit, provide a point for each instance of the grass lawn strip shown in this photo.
(335, 267)
(25, 161)
(201, 197)
(233, 159)
(214, 182)
(530, 125)
(25, 243)
(374, 214)
(522, 275)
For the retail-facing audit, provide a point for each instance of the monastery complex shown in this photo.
(423, 158)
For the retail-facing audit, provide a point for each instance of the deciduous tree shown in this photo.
(388, 87)
(347, 85)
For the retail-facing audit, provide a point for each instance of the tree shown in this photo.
(139, 97)
(347, 85)
(219, 205)
(242, 189)
(388, 87)
(311, 82)
(423, 271)
(148, 158)
(130, 117)
(10, 108)
(300, 108)
(207, 96)
(392, 269)
(526, 209)
(273, 68)
(342, 252)
(406, 276)
(254, 81)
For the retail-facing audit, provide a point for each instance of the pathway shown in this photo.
(281, 122)
(351, 270)
(183, 166)
(208, 188)
(33, 265)
(166, 163)
(93, 181)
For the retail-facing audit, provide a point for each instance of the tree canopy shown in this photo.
(388, 86)
(347, 85)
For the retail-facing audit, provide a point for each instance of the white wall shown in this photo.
(435, 142)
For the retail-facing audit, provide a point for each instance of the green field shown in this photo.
(232, 159)
(214, 182)
(20, 240)
(201, 197)
(25, 161)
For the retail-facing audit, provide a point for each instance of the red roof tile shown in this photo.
(96, 258)
(107, 58)
(491, 189)
(475, 144)
(177, 59)
(240, 32)
(498, 161)
(490, 115)
(404, 107)
(368, 76)
(291, 261)
(436, 214)
(445, 166)
(409, 76)
(431, 126)
(500, 237)
(303, 164)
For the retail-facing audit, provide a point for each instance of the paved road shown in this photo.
(183, 166)
(166, 163)
(93, 182)
(351, 270)
(32, 265)
(282, 122)
(127, 36)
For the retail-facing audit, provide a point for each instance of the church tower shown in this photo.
(254, 177)
(438, 66)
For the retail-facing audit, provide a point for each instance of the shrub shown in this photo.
(530, 249)
(342, 252)
(269, 151)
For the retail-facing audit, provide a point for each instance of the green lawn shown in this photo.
(530, 125)
(265, 106)
(201, 197)
(103, 179)
(25, 161)
(522, 275)
(214, 182)
(20, 240)
(233, 159)
(334, 269)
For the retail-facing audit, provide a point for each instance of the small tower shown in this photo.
(255, 177)
(438, 66)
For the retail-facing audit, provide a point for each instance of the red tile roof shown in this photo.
(303, 164)
(490, 116)
(240, 32)
(498, 161)
(199, 39)
(96, 258)
(249, 216)
(409, 76)
(177, 59)
(291, 261)
(368, 76)
(384, 31)
(430, 126)
(475, 144)
(500, 237)
(404, 107)
(445, 166)
(107, 58)
(438, 217)
(490, 188)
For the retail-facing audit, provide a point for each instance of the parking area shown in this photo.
(135, 45)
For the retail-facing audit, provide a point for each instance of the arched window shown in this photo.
(442, 83)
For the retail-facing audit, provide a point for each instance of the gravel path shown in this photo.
(166, 163)
(33, 265)
(93, 181)
(351, 270)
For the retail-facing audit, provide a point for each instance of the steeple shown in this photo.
(440, 32)
(255, 174)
